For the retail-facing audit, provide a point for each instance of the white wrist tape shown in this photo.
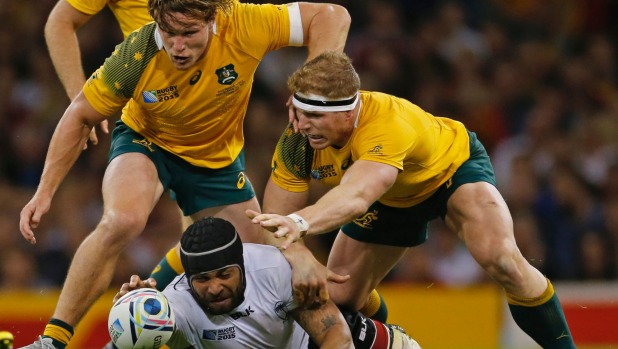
(301, 223)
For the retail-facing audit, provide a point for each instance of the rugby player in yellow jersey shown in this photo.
(183, 82)
(61, 28)
(393, 168)
(60, 33)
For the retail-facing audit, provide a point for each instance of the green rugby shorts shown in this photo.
(407, 227)
(194, 188)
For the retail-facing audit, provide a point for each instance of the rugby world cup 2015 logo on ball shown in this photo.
(141, 319)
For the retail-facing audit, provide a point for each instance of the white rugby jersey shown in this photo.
(261, 321)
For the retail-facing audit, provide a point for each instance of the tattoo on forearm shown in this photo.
(328, 322)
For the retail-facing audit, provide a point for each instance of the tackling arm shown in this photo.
(310, 276)
(351, 198)
(338, 206)
(280, 201)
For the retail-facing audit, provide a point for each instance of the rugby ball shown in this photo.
(141, 319)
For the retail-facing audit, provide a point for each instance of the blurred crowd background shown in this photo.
(536, 80)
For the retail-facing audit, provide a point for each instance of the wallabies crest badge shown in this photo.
(226, 75)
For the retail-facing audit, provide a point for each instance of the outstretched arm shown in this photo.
(66, 144)
(340, 205)
(309, 276)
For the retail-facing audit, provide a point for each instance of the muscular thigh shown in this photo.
(479, 215)
(131, 189)
(199, 192)
(366, 263)
(474, 208)
(370, 246)
(132, 177)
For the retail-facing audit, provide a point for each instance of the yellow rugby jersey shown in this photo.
(130, 14)
(426, 149)
(197, 113)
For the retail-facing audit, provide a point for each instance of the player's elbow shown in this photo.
(63, 22)
(341, 13)
(339, 16)
(56, 29)
(332, 16)
(50, 29)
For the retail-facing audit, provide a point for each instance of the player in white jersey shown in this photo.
(261, 320)
(236, 295)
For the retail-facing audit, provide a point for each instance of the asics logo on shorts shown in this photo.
(241, 180)
(146, 143)
(366, 220)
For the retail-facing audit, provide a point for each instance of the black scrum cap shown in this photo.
(210, 244)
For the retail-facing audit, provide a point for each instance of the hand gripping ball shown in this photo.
(141, 319)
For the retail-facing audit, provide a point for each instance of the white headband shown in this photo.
(312, 103)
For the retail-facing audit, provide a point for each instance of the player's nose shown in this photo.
(178, 44)
(215, 289)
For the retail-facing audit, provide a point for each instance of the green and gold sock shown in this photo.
(167, 269)
(375, 307)
(59, 331)
(542, 319)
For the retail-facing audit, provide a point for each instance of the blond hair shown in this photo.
(330, 75)
(162, 10)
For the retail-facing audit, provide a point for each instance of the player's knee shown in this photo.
(120, 228)
(500, 260)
